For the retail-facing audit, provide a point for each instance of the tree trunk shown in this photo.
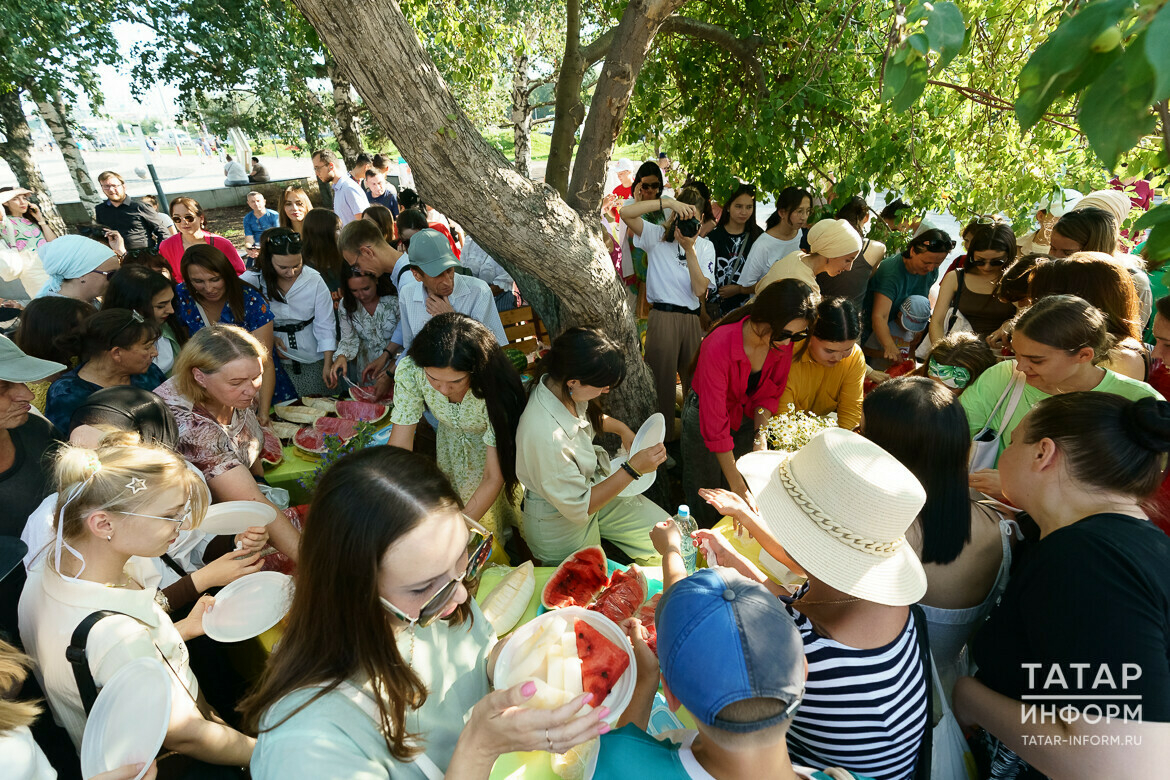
(521, 114)
(523, 224)
(569, 110)
(344, 118)
(17, 152)
(56, 116)
(611, 97)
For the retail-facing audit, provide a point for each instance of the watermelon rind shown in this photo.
(298, 414)
(592, 563)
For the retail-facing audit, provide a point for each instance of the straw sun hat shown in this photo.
(840, 506)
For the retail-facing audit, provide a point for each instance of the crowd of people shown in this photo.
(994, 479)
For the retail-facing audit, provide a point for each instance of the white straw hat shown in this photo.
(840, 506)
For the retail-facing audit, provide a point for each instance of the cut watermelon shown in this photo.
(337, 426)
(362, 411)
(272, 454)
(577, 581)
(626, 592)
(646, 615)
(602, 662)
(310, 440)
(369, 394)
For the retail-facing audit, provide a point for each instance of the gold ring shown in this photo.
(548, 739)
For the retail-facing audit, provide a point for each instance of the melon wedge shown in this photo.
(577, 581)
(506, 603)
(327, 405)
(298, 414)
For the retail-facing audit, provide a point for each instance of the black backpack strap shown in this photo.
(172, 564)
(922, 771)
(78, 659)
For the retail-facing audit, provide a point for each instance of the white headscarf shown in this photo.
(834, 238)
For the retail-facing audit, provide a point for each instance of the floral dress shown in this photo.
(365, 335)
(462, 440)
(257, 314)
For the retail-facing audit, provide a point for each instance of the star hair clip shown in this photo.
(136, 484)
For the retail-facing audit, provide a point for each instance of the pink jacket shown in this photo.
(172, 249)
(721, 379)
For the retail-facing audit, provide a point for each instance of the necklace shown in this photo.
(801, 602)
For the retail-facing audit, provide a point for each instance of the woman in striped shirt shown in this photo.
(867, 697)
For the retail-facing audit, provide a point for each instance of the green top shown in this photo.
(335, 737)
(892, 280)
(980, 398)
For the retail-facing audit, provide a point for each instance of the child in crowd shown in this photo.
(742, 705)
(958, 360)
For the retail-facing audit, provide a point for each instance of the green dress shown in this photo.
(462, 439)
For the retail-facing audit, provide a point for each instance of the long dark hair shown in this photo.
(854, 212)
(753, 227)
(109, 328)
(922, 424)
(382, 287)
(134, 287)
(459, 342)
(1066, 322)
(264, 258)
(337, 627)
(319, 243)
(590, 357)
(128, 408)
(1095, 230)
(211, 259)
(49, 328)
(1112, 444)
(1100, 280)
(789, 198)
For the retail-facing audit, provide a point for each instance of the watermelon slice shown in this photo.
(369, 394)
(310, 440)
(337, 426)
(626, 592)
(362, 411)
(602, 662)
(577, 580)
(646, 615)
(272, 454)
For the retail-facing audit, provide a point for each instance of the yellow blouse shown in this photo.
(820, 390)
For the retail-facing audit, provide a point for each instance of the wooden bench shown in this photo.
(524, 329)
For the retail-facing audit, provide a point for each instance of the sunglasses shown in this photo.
(134, 317)
(786, 335)
(106, 274)
(999, 262)
(479, 549)
(186, 219)
(937, 245)
(285, 244)
(653, 186)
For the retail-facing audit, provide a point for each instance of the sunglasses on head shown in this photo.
(937, 245)
(479, 549)
(285, 244)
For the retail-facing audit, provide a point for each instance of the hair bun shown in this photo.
(1147, 423)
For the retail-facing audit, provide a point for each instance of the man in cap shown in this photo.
(733, 657)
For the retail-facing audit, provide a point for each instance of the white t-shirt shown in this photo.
(667, 278)
(766, 250)
(22, 758)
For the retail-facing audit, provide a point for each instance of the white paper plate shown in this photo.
(652, 432)
(129, 719)
(618, 698)
(639, 485)
(235, 517)
(249, 606)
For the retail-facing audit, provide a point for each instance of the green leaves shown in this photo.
(1158, 51)
(1115, 109)
(1066, 62)
(1158, 243)
(939, 29)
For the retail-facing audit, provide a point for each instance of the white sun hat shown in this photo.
(840, 506)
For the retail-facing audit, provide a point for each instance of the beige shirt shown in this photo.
(555, 454)
(791, 266)
(52, 606)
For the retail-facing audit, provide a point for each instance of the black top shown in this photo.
(753, 381)
(1093, 598)
(731, 250)
(140, 225)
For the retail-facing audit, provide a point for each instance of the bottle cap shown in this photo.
(684, 510)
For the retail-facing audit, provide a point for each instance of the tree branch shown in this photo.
(545, 119)
(596, 50)
(744, 48)
(984, 98)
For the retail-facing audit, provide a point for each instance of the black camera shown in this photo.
(689, 227)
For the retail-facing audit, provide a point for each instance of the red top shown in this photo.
(721, 380)
(1158, 507)
(172, 249)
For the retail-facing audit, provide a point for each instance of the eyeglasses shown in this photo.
(285, 244)
(186, 219)
(182, 521)
(106, 274)
(113, 186)
(785, 335)
(479, 549)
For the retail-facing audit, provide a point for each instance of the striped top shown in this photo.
(863, 710)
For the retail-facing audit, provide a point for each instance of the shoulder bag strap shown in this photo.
(364, 701)
(1007, 391)
(1019, 381)
(78, 659)
(173, 565)
(922, 770)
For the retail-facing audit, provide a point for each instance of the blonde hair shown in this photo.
(14, 667)
(100, 479)
(296, 192)
(209, 350)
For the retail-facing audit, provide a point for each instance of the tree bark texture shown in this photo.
(611, 98)
(570, 111)
(344, 118)
(521, 114)
(56, 116)
(524, 224)
(17, 152)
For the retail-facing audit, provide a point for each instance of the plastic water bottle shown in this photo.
(687, 526)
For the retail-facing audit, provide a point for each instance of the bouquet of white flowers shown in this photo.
(791, 430)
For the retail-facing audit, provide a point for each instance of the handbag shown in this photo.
(985, 444)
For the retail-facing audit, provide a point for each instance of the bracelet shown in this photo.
(387, 352)
(633, 472)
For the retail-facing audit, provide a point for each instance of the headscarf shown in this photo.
(71, 257)
(1112, 201)
(834, 238)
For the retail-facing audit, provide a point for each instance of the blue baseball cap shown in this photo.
(722, 639)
